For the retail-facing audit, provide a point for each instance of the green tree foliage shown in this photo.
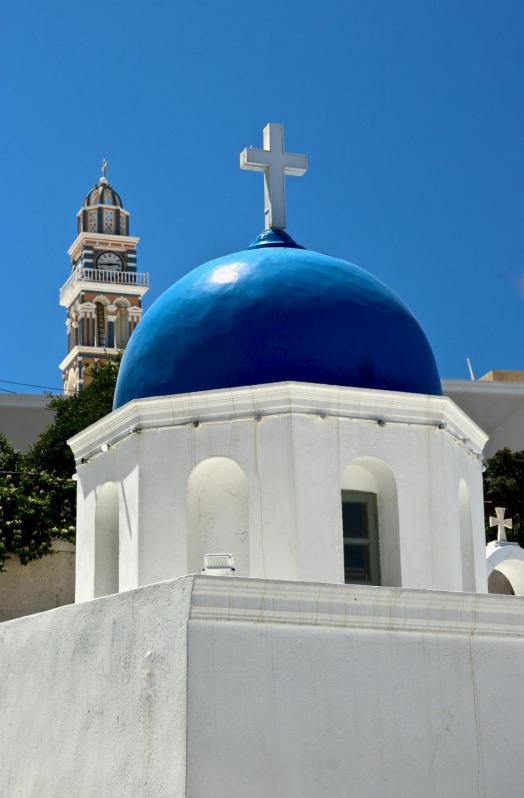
(504, 487)
(37, 494)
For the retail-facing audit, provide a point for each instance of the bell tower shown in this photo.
(103, 294)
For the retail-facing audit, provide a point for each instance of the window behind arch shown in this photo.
(100, 333)
(361, 540)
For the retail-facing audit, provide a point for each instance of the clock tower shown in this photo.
(103, 295)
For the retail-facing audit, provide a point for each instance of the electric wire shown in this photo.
(28, 385)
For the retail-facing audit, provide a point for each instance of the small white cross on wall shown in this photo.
(275, 163)
(501, 523)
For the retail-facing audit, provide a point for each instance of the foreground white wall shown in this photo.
(259, 472)
(210, 686)
(93, 698)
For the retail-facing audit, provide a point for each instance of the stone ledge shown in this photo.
(237, 599)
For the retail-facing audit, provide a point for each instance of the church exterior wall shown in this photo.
(293, 442)
(40, 585)
(23, 417)
(213, 686)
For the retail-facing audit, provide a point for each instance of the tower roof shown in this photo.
(103, 192)
(102, 210)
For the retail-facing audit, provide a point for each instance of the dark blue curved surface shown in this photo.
(275, 313)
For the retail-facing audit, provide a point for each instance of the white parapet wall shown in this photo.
(206, 687)
(258, 472)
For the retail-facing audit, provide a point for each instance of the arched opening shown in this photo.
(370, 523)
(122, 323)
(466, 539)
(499, 583)
(217, 513)
(100, 324)
(106, 540)
(507, 578)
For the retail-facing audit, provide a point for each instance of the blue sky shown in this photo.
(411, 111)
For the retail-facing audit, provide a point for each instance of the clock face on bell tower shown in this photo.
(109, 260)
(103, 295)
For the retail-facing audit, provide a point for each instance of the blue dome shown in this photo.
(271, 313)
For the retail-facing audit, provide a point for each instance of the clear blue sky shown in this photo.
(412, 113)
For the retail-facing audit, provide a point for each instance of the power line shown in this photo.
(28, 385)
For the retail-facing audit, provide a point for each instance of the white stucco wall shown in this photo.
(301, 691)
(93, 698)
(265, 688)
(293, 444)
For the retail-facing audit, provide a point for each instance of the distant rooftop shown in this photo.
(503, 375)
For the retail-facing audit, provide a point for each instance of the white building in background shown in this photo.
(278, 412)
(496, 402)
(23, 417)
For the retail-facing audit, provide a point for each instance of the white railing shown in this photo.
(104, 276)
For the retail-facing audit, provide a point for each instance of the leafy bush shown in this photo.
(37, 493)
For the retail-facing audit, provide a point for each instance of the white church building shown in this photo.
(281, 585)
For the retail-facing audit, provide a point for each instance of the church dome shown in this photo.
(276, 312)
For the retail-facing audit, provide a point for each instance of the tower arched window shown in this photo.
(101, 324)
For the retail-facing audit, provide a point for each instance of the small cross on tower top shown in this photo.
(501, 523)
(275, 163)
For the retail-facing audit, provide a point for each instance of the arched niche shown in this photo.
(507, 577)
(466, 539)
(370, 475)
(106, 540)
(218, 513)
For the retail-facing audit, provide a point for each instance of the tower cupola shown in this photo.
(102, 210)
(103, 294)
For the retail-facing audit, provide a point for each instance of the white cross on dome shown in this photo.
(275, 163)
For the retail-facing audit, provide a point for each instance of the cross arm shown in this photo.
(255, 160)
(295, 164)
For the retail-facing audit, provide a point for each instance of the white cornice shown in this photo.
(70, 290)
(280, 398)
(226, 599)
(100, 240)
(86, 351)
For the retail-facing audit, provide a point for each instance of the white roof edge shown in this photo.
(277, 398)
